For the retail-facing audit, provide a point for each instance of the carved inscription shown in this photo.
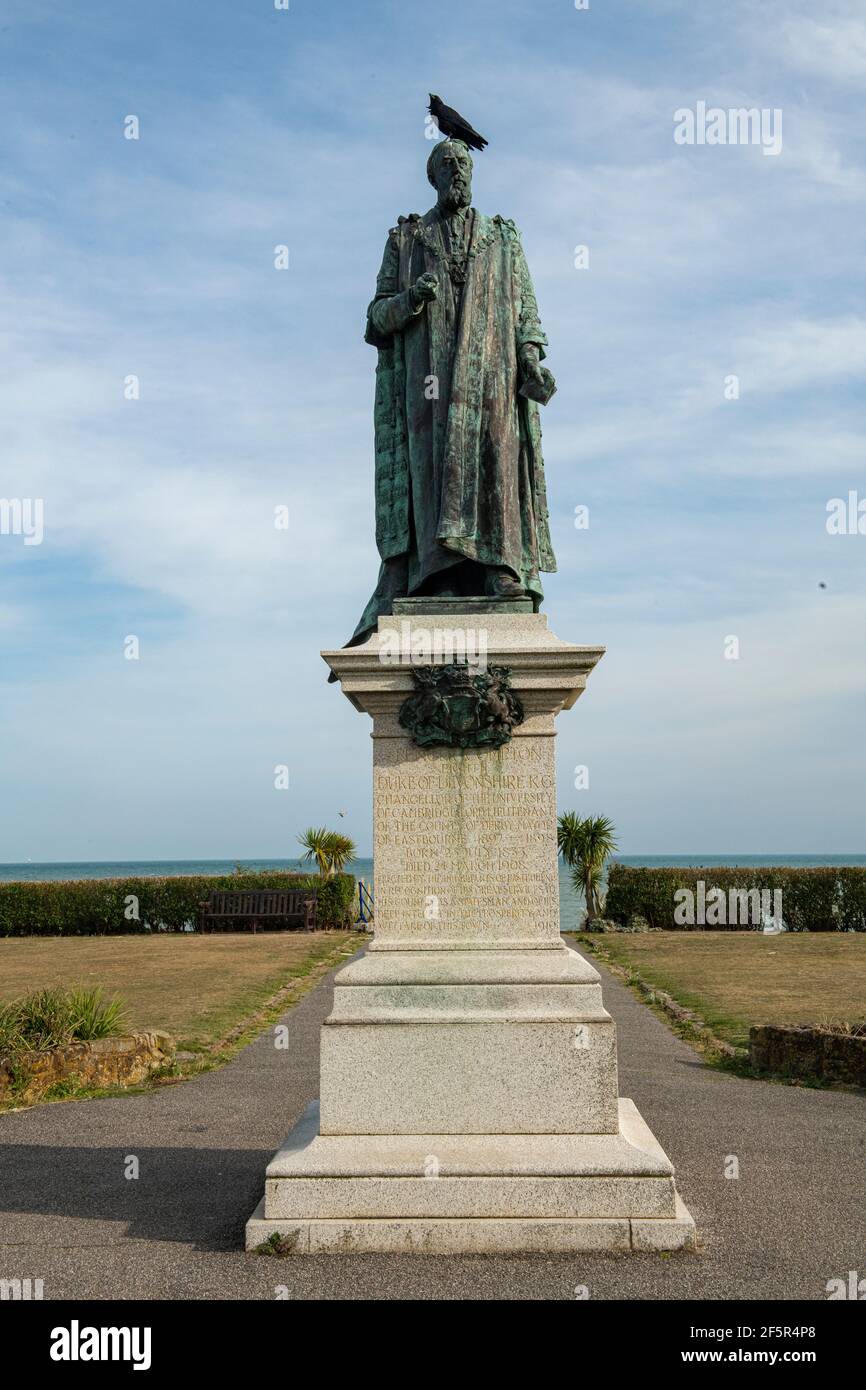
(465, 842)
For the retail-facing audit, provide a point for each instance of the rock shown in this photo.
(805, 1053)
(607, 924)
(636, 923)
(123, 1061)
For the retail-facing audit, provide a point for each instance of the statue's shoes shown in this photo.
(501, 584)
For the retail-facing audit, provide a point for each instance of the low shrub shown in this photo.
(113, 906)
(54, 1017)
(813, 899)
(337, 896)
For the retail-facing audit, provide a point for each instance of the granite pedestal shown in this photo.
(469, 1099)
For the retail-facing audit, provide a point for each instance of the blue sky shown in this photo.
(155, 258)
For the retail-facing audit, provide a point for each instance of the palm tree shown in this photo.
(331, 850)
(586, 843)
(341, 851)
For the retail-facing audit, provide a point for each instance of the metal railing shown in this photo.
(365, 902)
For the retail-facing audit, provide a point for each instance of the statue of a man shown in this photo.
(461, 508)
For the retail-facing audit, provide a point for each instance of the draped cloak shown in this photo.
(459, 468)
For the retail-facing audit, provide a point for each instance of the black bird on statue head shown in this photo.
(452, 124)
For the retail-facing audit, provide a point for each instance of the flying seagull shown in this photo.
(451, 123)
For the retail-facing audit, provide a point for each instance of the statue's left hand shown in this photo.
(531, 364)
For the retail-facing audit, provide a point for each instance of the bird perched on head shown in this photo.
(452, 124)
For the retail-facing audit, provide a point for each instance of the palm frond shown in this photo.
(330, 849)
(586, 843)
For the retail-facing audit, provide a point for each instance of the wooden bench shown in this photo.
(261, 907)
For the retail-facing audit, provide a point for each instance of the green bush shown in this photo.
(53, 1017)
(107, 906)
(819, 899)
(337, 899)
(852, 898)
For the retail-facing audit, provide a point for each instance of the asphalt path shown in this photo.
(793, 1219)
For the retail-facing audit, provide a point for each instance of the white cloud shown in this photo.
(831, 44)
(257, 390)
(753, 755)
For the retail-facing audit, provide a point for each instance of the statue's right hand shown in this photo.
(425, 288)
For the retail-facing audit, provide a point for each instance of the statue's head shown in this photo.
(449, 169)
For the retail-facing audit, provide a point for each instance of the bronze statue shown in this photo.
(461, 508)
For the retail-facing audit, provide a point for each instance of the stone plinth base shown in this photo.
(441, 1194)
(468, 1042)
(469, 1097)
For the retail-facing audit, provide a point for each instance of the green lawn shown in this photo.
(735, 979)
(198, 988)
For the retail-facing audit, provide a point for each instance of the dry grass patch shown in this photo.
(198, 988)
(736, 979)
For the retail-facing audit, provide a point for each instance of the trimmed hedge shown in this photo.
(100, 906)
(819, 899)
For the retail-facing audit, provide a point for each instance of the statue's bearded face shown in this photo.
(453, 175)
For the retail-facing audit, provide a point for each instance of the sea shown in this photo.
(571, 901)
